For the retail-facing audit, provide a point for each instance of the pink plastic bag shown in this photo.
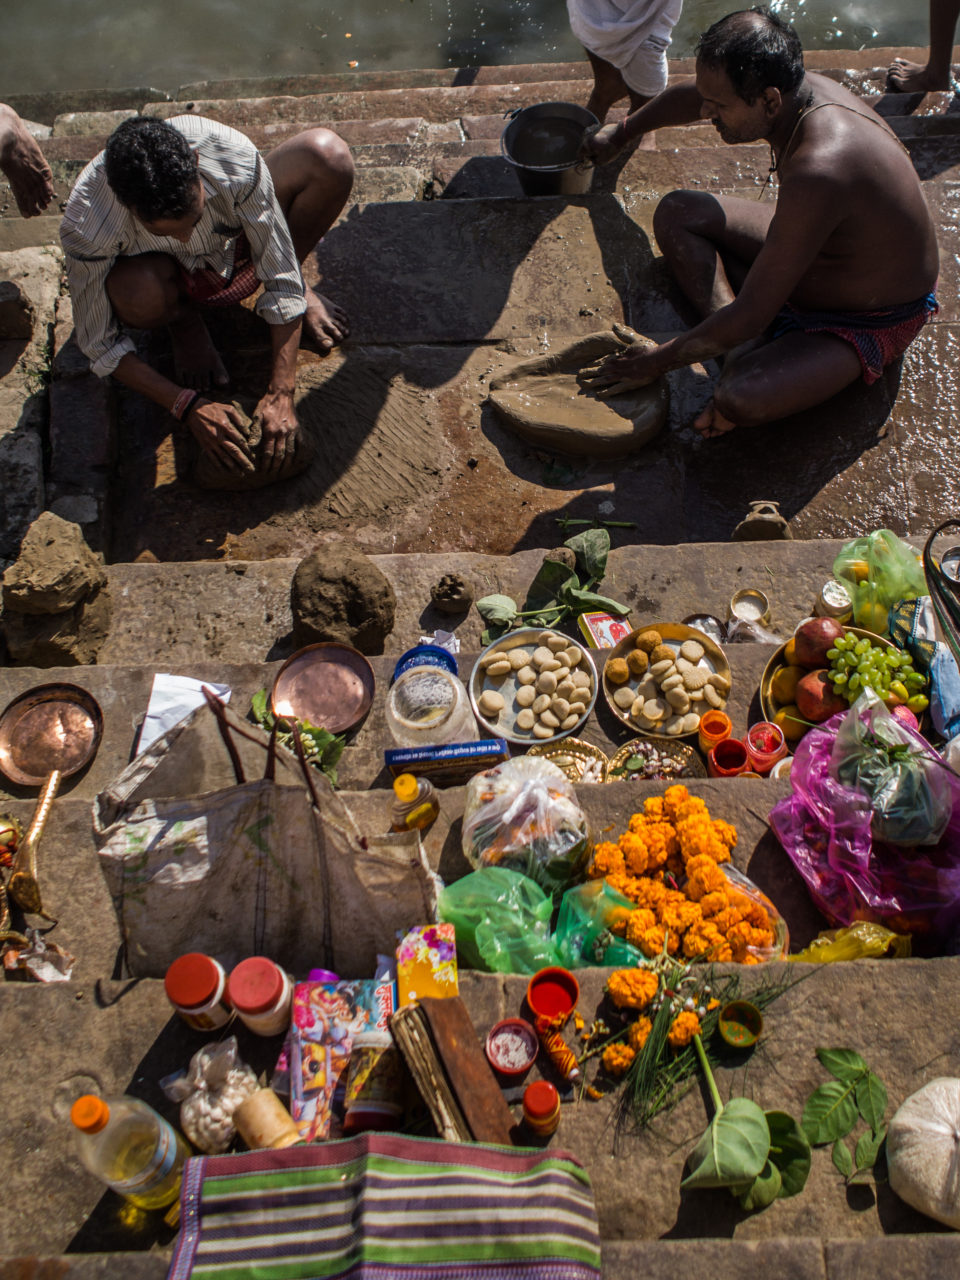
(825, 827)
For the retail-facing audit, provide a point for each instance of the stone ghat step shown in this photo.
(239, 611)
(122, 1036)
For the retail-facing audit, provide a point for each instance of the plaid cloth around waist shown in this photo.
(387, 1207)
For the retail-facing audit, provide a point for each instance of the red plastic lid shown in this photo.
(540, 1100)
(192, 980)
(255, 985)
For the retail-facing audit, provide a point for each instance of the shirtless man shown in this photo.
(924, 77)
(23, 165)
(804, 296)
(179, 214)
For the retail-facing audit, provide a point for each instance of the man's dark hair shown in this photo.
(755, 55)
(151, 169)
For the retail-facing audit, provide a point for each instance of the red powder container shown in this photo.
(765, 745)
(196, 985)
(727, 759)
(541, 1108)
(552, 994)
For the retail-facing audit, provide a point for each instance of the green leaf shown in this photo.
(872, 1100)
(764, 1189)
(868, 1148)
(830, 1113)
(733, 1149)
(591, 549)
(575, 596)
(789, 1151)
(546, 587)
(261, 712)
(842, 1159)
(843, 1064)
(498, 610)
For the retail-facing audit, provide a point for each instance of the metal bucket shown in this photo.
(543, 142)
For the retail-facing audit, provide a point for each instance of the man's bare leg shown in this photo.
(709, 243)
(778, 379)
(145, 293)
(919, 77)
(22, 162)
(313, 176)
(610, 87)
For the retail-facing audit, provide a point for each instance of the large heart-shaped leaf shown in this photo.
(764, 1189)
(789, 1151)
(733, 1149)
(577, 598)
(591, 549)
(545, 589)
(843, 1064)
(830, 1113)
(500, 611)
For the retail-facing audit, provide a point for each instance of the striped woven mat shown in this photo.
(387, 1207)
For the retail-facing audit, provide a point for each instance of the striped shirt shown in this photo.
(97, 229)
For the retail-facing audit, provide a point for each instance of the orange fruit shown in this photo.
(788, 718)
(783, 686)
(859, 570)
(790, 652)
(872, 617)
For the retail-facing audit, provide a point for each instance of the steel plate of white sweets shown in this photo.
(662, 678)
(533, 685)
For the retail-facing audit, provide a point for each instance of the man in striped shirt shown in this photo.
(180, 214)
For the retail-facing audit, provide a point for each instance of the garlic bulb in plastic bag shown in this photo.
(923, 1150)
(209, 1092)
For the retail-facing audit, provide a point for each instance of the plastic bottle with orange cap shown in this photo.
(124, 1143)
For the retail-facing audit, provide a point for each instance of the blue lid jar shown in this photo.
(426, 655)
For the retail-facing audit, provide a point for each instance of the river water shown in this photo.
(84, 44)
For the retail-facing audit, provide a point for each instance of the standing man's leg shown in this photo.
(918, 77)
(313, 177)
(609, 87)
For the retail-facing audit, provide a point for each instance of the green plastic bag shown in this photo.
(502, 921)
(583, 934)
(879, 570)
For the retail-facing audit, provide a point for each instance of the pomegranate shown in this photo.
(813, 638)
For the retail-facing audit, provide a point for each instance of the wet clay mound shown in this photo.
(543, 401)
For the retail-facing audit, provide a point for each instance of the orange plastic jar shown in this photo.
(541, 1108)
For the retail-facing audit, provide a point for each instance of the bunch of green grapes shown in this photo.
(857, 664)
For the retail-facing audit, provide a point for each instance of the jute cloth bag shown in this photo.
(198, 858)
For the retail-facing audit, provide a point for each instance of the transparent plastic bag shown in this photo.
(584, 934)
(524, 816)
(879, 570)
(209, 1092)
(906, 781)
(860, 941)
(502, 921)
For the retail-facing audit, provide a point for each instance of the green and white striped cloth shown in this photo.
(382, 1206)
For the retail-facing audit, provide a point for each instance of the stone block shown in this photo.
(388, 185)
(55, 570)
(91, 1266)
(22, 493)
(796, 1259)
(936, 1255)
(68, 360)
(87, 124)
(17, 314)
(72, 638)
(81, 432)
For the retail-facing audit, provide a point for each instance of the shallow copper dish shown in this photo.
(572, 756)
(328, 685)
(52, 727)
(673, 634)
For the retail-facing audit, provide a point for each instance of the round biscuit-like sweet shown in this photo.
(541, 703)
(518, 658)
(712, 695)
(581, 679)
(566, 688)
(526, 695)
(579, 701)
(695, 678)
(637, 661)
(526, 720)
(493, 656)
(642, 722)
(542, 731)
(572, 655)
(560, 708)
(696, 695)
(673, 726)
(548, 718)
(647, 688)
(655, 709)
(557, 643)
(719, 681)
(526, 675)
(692, 650)
(553, 664)
(617, 671)
(542, 655)
(624, 697)
(691, 722)
(665, 667)
(636, 710)
(672, 682)
(491, 703)
(679, 699)
(648, 640)
(546, 682)
(499, 668)
(562, 673)
(569, 721)
(684, 665)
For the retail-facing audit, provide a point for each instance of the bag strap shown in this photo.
(943, 593)
(227, 730)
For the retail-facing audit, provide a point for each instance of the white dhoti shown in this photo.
(633, 35)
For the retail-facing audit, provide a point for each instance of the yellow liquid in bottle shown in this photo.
(146, 1175)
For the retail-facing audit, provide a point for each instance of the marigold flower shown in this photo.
(673, 798)
(702, 939)
(652, 808)
(684, 1028)
(726, 832)
(632, 988)
(638, 922)
(725, 920)
(652, 942)
(616, 1059)
(637, 1035)
(713, 903)
(607, 860)
(634, 849)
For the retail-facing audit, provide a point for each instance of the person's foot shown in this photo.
(711, 422)
(914, 77)
(325, 325)
(22, 162)
(196, 361)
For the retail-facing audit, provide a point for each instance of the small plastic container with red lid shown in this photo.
(262, 995)
(541, 1108)
(196, 987)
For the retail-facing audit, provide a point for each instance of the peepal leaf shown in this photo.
(843, 1064)
(733, 1149)
(789, 1151)
(830, 1113)
(591, 549)
(546, 588)
(872, 1100)
(842, 1159)
(258, 705)
(764, 1189)
(498, 610)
